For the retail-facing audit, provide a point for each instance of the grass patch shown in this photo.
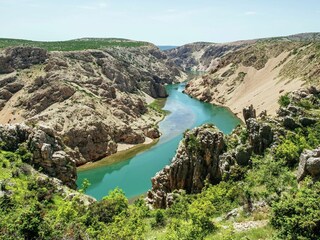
(158, 105)
(72, 45)
(119, 156)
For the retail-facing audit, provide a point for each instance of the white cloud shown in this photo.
(251, 13)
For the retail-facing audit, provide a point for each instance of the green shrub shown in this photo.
(284, 100)
(159, 220)
(290, 149)
(109, 207)
(193, 144)
(25, 154)
(297, 214)
(305, 103)
(84, 186)
(244, 135)
(288, 152)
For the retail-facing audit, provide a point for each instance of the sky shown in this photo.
(164, 22)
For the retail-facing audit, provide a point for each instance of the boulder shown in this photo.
(290, 123)
(309, 164)
(306, 121)
(152, 133)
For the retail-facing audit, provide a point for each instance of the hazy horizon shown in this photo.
(162, 23)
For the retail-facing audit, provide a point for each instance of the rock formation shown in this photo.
(260, 135)
(48, 151)
(249, 112)
(21, 58)
(309, 164)
(92, 99)
(196, 160)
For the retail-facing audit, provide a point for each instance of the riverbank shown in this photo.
(119, 156)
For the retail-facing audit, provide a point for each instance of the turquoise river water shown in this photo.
(134, 175)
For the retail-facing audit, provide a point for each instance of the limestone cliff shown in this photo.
(92, 99)
(250, 72)
(196, 160)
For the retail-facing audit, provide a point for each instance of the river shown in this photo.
(134, 175)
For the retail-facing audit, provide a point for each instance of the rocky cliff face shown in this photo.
(250, 72)
(21, 58)
(92, 99)
(48, 151)
(196, 160)
(201, 56)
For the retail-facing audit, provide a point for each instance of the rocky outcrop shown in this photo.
(196, 160)
(11, 136)
(309, 164)
(232, 159)
(203, 156)
(48, 151)
(249, 112)
(9, 85)
(21, 58)
(260, 135)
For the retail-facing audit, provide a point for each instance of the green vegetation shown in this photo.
(297, 214)
(284, 100)
(303, 63)
(158, 105)
(193, 143)
(72, 45)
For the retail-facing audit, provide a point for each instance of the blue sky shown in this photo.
(164, 22)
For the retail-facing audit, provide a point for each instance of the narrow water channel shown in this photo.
(134, 175)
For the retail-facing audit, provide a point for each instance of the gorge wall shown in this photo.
(92, 99)
(250, 72)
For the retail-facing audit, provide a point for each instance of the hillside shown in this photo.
(95, 100)
(250, 72)
(72, 45)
